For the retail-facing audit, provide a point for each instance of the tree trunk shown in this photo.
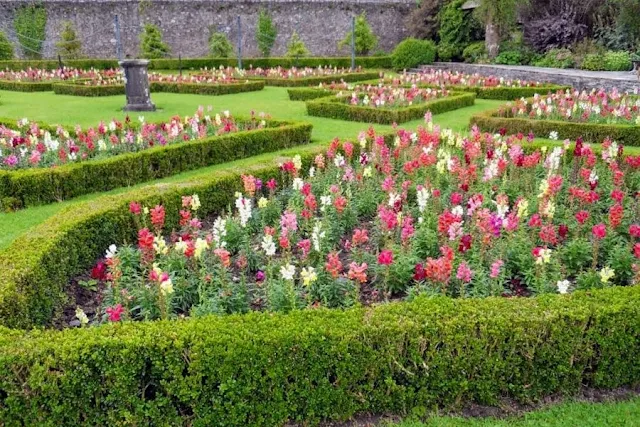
(492, 39)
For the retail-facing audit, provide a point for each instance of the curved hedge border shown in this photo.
(267, 369)
(28, 187)
(591, 132)
(20, 86)
(77, 89)
(197, 63)
(337, 108)
(312, 81)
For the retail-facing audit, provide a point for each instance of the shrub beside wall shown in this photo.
(30, 187)
(337, 108)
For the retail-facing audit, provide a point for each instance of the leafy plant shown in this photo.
(219, 45)
(296, 46)
(617, 61)
(365, 41)
(29, 23)
(69, 46)
(423, 21)
(509, 57)
(6, 48)
(152, 45)
(474, 52)
(447, 52)
(592, 62)
(457, 29)
(499, 17)
(266, 33)
(410, 53)
(557, 58)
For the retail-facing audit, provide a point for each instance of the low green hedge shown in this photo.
(264, 369)
(508, 93)
(20, 86)
(337, 108)
(189, 88)
(591, 132)
(314, 81)
(28, 187)
(307, 93)
(197, 63)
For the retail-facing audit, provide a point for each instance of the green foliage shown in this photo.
(314, 81)
(6, 48)
(617, 61)
(30, 22)
(296, 47)
(502, 13)
(266, 33)
(220, 46)
(71, 88)
(42, 186)
(366, 40)
(557, 58)
(69, 46)
(423, 22)
(19, 86)
(371, 360)
(509, 57)
(411, 53)
(593, 62)
(475, 52)
(307, 93)
(152, 46)
(493, 121)
(448, 52)
(336, 108)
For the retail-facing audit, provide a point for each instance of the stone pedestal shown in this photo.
(137, 85)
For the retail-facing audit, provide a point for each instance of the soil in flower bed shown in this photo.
(432, 213)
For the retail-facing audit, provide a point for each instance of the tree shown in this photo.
(69, 46)
(266, 33)
(423, 22)
(365, 41)
(296, 46)
(152, 45)
(220, 46)
(498, 16)
(6, 48)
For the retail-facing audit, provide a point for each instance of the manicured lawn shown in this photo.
(580, 414)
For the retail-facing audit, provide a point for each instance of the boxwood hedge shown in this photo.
(269, 369)
(508, 93)
(197, 63)
(493, 121)
(28, 187)
(79, 89)
(337, 108)
(314, 81)
(21, 86)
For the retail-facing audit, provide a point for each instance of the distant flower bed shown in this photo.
(391, 97)
(450, 78)
(433, 213)
(40, 75)
(295, 73)
(28, 146)
(597, 106)
(118, 79)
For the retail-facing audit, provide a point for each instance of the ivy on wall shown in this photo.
(29, 23)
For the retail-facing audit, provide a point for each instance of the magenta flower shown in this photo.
(495, 268)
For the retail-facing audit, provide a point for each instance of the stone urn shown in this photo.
(136, 84)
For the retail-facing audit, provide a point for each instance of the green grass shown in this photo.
(573, 414)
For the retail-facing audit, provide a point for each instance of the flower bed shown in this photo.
(41, 80)
(290, 77)
(594, 116)
(193, 84)
(118, 154)
(484, 87)
(386, 359)
(387, 105)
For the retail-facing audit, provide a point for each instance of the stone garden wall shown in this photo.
(186, 24)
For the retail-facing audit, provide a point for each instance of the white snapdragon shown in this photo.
(219, 232)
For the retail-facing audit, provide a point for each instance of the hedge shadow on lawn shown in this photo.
(79, 89)
(267, 369)
(337, 108)
(492, 121)
(29, 187)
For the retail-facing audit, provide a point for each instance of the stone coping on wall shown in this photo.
(580, 79)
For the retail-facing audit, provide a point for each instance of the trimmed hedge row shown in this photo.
(337, 108)
(28, 187)
(264, 369)
(591, 132)
(508, 93)
(313, 81)
(197, 63)
(188, 88)
(20, 86)
(308, 93)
